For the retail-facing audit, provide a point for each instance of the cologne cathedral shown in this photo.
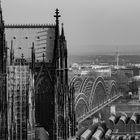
(53, 99)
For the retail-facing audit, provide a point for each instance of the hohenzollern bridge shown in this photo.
(92, 94)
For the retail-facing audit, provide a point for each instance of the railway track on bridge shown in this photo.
(97, 108)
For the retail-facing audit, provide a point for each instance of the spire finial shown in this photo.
(57, 25)
(57, 16)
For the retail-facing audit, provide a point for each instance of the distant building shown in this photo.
(104, 72)
(84, 72)
(75, 66)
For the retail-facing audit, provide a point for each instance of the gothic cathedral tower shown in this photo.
(2, 44)
(51, 87)
(61, 85)
(3, 81)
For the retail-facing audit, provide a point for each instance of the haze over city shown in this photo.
(93, 26)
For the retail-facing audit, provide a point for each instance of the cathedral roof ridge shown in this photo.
(30, 25)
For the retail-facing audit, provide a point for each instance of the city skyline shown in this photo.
(91, 27)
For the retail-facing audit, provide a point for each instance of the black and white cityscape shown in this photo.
(51, 88)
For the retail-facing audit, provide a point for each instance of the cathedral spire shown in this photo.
(56, 44)
(2, 43)
(33, 57)
(1, 18)
(0, 6)
(62, 32)
(0, 12)
(11, 53)
(57, 21)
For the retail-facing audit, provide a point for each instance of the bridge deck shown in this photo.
(97, 108)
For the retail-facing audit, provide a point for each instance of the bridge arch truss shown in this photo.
(93, 91)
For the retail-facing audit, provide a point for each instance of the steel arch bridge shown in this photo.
(92, 94)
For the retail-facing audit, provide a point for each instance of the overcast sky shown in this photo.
(90, 25)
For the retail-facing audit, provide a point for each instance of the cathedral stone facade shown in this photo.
(53, 99)
(54, 107)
